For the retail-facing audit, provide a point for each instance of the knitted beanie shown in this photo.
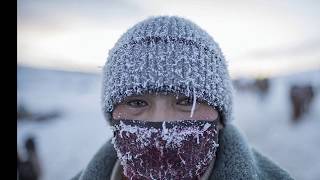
(167, 54)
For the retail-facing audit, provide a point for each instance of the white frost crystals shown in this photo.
(167, 54)
(193, 103)
(165, 150)
(173, 136)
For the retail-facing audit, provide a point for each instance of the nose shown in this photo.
(162, 110)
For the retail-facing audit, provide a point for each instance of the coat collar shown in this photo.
(235, 160)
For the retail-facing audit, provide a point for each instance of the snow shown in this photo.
(267, 125)
(66, 144)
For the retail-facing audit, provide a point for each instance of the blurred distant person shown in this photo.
(29, 169)
(301, 97)
(168, 96)
(262, 85)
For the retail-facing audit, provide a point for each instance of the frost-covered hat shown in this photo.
(167, 54)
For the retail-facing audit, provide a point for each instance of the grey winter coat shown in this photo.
(235, 160)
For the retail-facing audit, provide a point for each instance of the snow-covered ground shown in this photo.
(67, 143)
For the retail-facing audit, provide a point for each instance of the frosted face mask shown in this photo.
(165, 150)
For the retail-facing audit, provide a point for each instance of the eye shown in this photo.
(136, 103)
(185, 101)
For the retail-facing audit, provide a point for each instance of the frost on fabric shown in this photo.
(167, 54)
(165, 150)
(193, 104)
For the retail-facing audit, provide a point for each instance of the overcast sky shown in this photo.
(257, 37)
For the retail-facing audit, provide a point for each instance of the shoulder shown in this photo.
(101, 165)
(268, 169)
(77, 176)
(235, 159)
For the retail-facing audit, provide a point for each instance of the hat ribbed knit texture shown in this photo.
(167, 54)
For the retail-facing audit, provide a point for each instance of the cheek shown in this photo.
(117, 113)
(202, 112)
(124, 112)
(120, 112)
(205, 113)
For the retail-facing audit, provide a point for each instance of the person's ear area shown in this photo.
(220, 124)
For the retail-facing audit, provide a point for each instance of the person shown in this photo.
(167, 95)
(29, 169)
